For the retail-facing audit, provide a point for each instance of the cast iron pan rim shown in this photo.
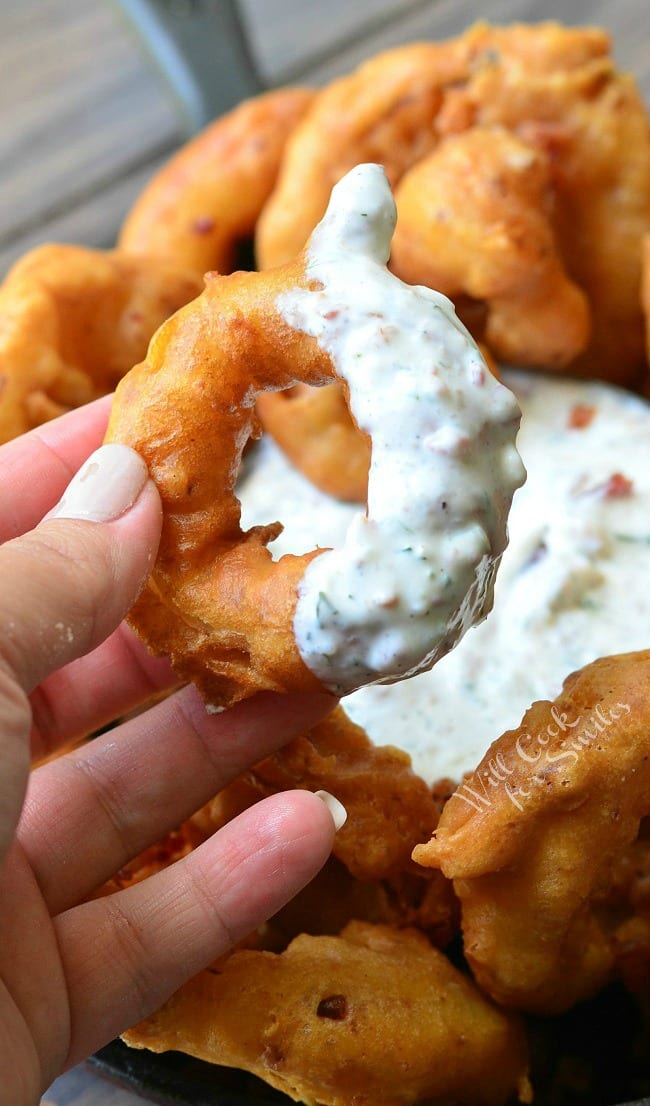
(173, 1079)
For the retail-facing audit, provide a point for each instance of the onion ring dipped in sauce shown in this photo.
(315, 430)
(417, 569)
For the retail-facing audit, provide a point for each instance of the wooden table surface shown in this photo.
(86, 119)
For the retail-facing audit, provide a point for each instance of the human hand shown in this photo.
(73, 973)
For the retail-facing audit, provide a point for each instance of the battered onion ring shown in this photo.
(383, 112)
(233, 620)
(475, 218)
(372, 114)
(593, 123)
(533, 837)
(208, 197)
(374, 1015)
(314, 428)
(72, 322)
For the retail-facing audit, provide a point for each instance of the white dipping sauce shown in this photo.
(573, 583)
(417, 570)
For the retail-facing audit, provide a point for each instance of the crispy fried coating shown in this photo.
(475, 218)
(373, 1017)
(631, 942)
(386, 801)
(72, 322)
(622, 907)
(383, 112)
(216, 602)
(372, 876)
(593, 125)
(208, 198)
(389, 807)
(313, 426)
(388, 111)
(533, 837)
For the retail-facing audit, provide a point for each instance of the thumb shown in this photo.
(65, 586)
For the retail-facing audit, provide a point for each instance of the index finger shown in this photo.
(38, 466)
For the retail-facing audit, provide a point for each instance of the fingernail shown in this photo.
(105, 487)
(337, 810)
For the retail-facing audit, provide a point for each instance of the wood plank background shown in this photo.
(85, 119)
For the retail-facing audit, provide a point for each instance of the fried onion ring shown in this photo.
(207, 199)
(475, 218)
(414, 572)
(72, 322)
(383, 112)
(374, 1015)
(592, 123)
(533, 837)
(387, 111)
(314, 428)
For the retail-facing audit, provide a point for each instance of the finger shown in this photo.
(37, 467)
(124, 955)
(66, 585)
(90, 812)
(64, 588)
(93, 691)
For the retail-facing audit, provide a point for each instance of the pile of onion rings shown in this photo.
(545, 250)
